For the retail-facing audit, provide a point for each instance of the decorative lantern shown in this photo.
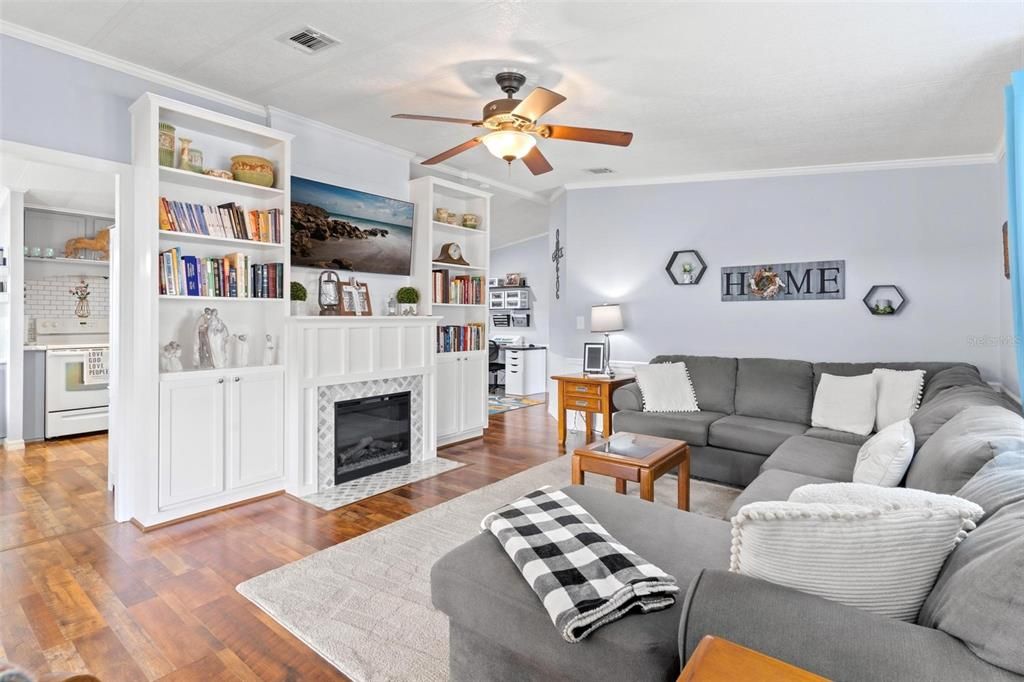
(329, 293)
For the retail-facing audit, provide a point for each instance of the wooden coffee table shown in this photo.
(638, 458)
(719, 660)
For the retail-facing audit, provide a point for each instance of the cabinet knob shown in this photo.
(221, 380)
(238, 379)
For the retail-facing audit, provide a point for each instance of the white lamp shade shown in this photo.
(606, 318)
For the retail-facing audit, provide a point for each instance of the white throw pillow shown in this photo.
(885, 458)
(845, 404)
(666, 387)
(899, 395)
(883, 559)
(886, 498)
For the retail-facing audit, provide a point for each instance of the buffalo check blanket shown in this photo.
(582, 575)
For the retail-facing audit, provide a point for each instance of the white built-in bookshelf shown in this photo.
(220, 431)
(461, 374)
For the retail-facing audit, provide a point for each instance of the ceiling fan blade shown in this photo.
(537, 162)
(469, 144)
(538, 103)
(438, 119)
(615, 137)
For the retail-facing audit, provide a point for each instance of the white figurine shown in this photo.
(268, 351)
(211, 349)
(241, 344)
(170, 357)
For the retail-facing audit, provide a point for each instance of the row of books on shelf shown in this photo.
(232, 276)
(454, 338)
(460, 289)
(228, 220)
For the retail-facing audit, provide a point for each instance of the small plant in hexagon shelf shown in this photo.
(686, 267)
(407, 297)
(884, 299)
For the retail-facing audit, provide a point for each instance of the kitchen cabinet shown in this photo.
(461, 395)
(34, 392)
(221, 435)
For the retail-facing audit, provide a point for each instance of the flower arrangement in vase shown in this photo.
(81, 293)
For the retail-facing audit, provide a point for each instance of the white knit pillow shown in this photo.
(885, 498)
(886, 456)
(899, 395)
(883, 558)
(845, 404)
(666, 387)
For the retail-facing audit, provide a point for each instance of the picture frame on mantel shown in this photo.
(355, 299)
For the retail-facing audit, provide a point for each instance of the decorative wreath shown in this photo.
(766, 283)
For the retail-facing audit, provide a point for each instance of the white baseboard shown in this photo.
(14, 445)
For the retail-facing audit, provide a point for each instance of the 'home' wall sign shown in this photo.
(811, 281)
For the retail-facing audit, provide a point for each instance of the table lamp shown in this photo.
(604, 319)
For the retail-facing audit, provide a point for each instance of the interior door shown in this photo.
(192, 444)
(257, 448)
(447, 395)
(474, 392)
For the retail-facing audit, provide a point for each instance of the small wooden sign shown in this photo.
(810, 281)
(355, 298)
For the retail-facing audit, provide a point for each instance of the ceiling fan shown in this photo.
(514, 126)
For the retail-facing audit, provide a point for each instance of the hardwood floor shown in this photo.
(80, 593)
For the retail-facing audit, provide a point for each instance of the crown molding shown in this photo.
(482, 180)
(859, 167)
(520, 241)
(130, 68)
(274, 112)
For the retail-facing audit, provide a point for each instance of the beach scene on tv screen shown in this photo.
(344, 229)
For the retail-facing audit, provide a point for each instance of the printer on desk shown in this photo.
(525, 365)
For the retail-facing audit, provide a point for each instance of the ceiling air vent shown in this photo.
(308, 40)
(598, 171)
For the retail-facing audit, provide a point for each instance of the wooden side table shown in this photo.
(590, 396)
(719, 660)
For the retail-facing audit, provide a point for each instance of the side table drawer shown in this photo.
(582, 402)
(581, 389)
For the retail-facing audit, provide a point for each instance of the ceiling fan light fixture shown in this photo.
(509, 145)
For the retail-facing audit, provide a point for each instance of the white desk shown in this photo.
(526, 369)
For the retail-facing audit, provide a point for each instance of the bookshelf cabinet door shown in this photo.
(473, 393)
(448, 395)
(257, 433)
(192, 439)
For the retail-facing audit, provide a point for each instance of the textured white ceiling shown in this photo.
(706, 87)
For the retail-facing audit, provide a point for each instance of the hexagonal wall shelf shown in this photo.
(884, 299)
(679, 259)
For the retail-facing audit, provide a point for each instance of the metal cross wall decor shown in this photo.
(557, 255)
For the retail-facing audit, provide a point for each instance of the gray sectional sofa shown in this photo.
(499, 630)
(750, 407)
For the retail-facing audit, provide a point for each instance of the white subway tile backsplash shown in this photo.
(50, 298)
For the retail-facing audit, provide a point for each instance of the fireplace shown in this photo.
(370, 435)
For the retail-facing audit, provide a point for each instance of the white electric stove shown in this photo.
(72, 404)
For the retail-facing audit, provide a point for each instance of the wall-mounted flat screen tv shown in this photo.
(335, 228)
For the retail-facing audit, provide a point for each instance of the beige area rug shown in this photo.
(364, 605)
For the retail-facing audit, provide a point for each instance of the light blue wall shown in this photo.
(52, 100)
(532, 259)
(932, 231)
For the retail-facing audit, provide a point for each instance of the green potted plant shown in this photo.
(298, 294)
(407, 297)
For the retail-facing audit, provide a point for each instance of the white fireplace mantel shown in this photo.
(329, 351)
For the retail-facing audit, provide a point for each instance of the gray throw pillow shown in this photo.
(950, 378)
(979, 596)
(963, 445)
(997, 484)
(932, 415)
